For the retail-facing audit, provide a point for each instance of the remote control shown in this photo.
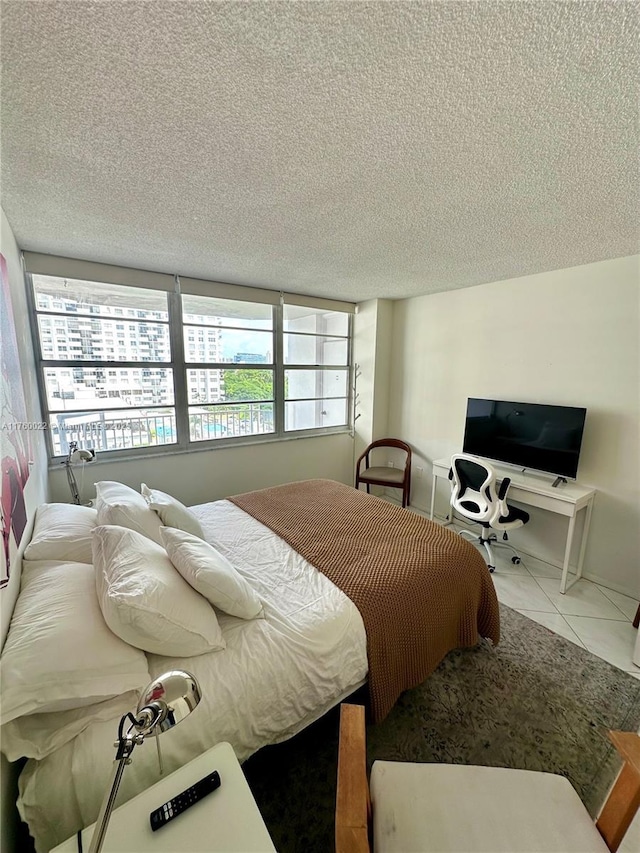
(180, 803)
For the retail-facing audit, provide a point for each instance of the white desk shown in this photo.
(225, 821)
(566, 499)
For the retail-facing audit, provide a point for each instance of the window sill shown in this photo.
(111, 456)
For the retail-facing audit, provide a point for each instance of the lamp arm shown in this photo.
(107, 805)
(71, 477)
(125, 744)
(73, 483)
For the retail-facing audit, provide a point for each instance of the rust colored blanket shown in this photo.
(421, 589)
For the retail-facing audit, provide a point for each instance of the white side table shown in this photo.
(225, 821)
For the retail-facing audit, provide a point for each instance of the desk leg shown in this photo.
(585, 533)
(583, 546)
(434, 480)
(434, 486)
(567, 554)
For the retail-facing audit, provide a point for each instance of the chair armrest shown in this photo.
(623, 799)
(360, 458)
(628, 746)
(504, 488)
(353, 807)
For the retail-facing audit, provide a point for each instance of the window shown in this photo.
(225, 401)
(316, 358)
(131, 368)
(140, 410)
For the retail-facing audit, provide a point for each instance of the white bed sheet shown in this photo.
(277, 674)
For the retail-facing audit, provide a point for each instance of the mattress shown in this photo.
(276, 676)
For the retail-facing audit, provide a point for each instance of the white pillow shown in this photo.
(59, 652)
(171, 511)
(145, 601)
(120, 505)
(62, 532)
(209, 571)
(38, 735)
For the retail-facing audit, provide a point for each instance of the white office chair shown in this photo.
(476, 496)
(456, 808)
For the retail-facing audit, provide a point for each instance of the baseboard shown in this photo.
(590, 576)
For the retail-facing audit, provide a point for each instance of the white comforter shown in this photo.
(276, 676)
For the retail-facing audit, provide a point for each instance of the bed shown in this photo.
(329, 565)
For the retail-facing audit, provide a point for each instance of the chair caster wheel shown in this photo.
(516, 561)
(492, 569)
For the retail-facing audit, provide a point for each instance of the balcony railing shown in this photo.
(106, 431)
(230, 421)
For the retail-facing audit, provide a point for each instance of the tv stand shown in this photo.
(532, 491)
(557, 481)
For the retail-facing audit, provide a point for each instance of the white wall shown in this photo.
(35, 493)
(372, 339)
(209, 475)
(568, 337)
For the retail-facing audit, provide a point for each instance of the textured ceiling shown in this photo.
(341, 149)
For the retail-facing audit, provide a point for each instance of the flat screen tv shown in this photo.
(527, 435)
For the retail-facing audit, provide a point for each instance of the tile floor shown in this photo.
(591, 616)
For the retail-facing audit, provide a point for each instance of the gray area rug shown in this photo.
(536, 702)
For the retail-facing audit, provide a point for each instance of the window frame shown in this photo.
(180, 367)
